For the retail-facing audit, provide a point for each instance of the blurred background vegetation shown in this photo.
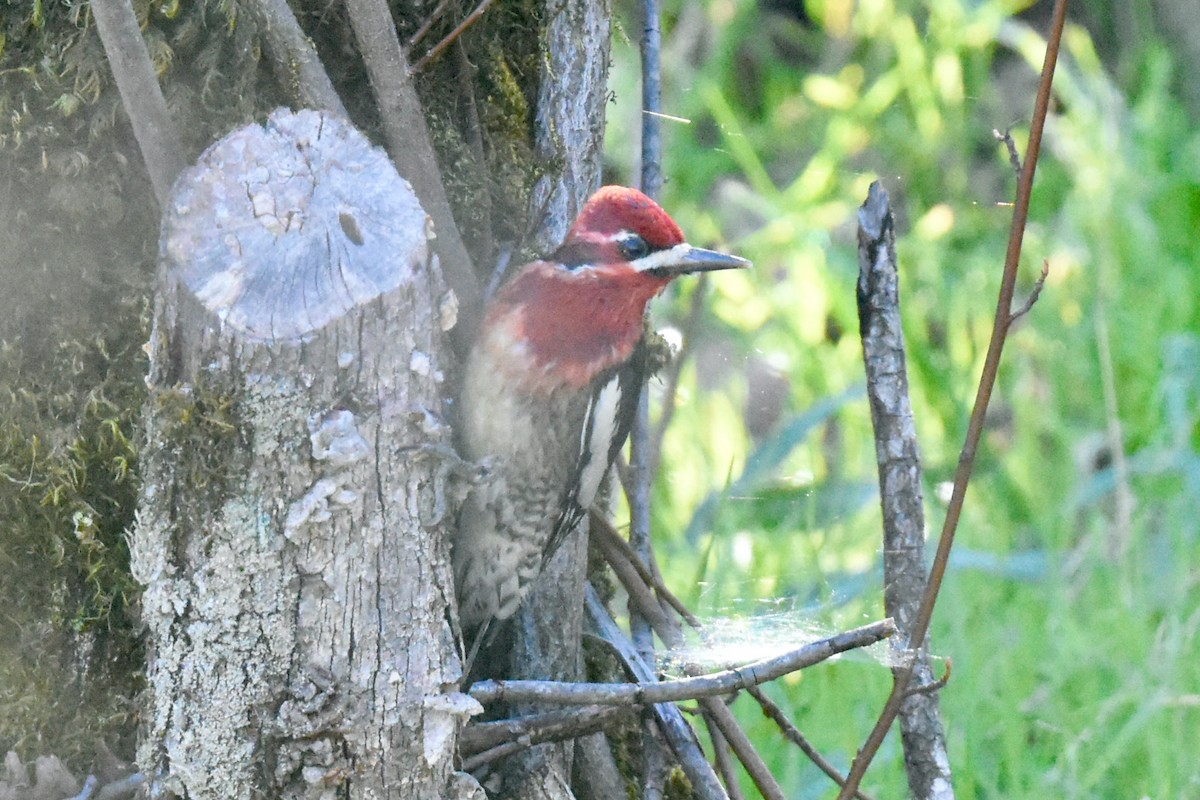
(1073, 602)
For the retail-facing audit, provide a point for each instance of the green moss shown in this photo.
(69, 654)
(204, 426)
(678, 787)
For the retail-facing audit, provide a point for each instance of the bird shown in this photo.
(550, 389)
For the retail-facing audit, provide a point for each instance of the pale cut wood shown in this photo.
(291, 532)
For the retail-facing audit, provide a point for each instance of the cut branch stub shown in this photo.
(339, 225)
(290, 530)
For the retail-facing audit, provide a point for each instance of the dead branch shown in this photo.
(452, 37)
(724, 759)
(935, 686)
(617, 550)
(675, 728)
(552, 726)
(411, 148)
(740, 743)
(1033, 295)
(987, 381)
(647, 693)
(297, 67)
(899, 461)
(141, 95)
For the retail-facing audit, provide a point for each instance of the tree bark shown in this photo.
(570, 138)
(899, 459)
(291, 530)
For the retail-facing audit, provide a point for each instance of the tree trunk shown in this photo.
(291, 531)
(570, 138)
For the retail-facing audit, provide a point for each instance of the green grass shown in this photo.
(1075, 671)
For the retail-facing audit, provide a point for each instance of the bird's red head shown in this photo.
(580, 311)
(613, 214)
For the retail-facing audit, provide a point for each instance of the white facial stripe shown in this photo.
(662, 258)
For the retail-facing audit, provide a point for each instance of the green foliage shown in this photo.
(1072, 628)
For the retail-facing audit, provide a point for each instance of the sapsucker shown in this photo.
(551, 387)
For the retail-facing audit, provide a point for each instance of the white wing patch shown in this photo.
(599, 427)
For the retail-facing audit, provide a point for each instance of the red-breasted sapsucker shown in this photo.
(551, 387)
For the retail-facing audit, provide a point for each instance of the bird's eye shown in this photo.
(634, 247)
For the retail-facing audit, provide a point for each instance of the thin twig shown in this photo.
(429, 22)
(550, 726)
(983, 396)
(647, 693)
(1014, 158)
(641, 597)
(621, 556)
(298, 68)
(675, 728)
(773, 712)
(932, 686)
(451, 37)
(651, 47)
(724, 760)
(411, 148)
(641, 457)
(740, 743)
(141, 95)
(474, 762)
(1033, 295)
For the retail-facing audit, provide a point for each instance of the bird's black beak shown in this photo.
(684, 259)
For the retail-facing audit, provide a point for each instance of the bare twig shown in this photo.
(616, 548)
(675, 728)
(451, 37)
(1014, 158)
(411, 149)
(550, 726)
(141, 95)
(724, 759)
(975, 427)
(933, 686)
(637, 581)
(474, 762)
(777, 715)
(740, 743)
(295, 61)
(1033, 295)
(651, 46)
(640, 454)
(428, 24)
(641, 597)
(646, 693)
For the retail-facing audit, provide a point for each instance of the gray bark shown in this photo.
(291, 529)
(570, 138)
(899, 459)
